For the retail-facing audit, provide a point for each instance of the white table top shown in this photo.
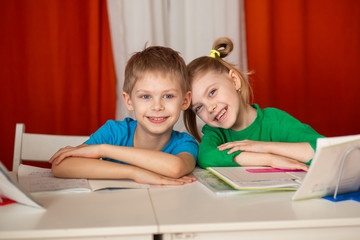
(107, 213)
(140, 213)
(192, 208)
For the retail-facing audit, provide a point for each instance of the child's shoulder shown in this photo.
(274, 112)
(182, 136)
(126, 123)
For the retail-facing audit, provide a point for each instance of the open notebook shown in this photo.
(321, 179)
(259, 178)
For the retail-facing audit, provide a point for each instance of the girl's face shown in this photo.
(215, 99)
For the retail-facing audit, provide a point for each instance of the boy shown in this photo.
(147, 149)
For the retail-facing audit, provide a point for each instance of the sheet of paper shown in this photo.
(35, 179)
(11, 190)
(213, 183)
(103, 184)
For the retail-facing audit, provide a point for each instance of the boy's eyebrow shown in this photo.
(166, 90)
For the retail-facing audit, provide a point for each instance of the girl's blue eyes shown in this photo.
(211, 93)
(198, 108)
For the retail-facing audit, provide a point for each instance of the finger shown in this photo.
(59, 152)
(62, 157)
(235, 149)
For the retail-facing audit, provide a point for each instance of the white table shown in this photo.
(184, 212)
(122, 214)
(193, 212)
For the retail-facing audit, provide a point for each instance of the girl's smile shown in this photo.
(221, 116)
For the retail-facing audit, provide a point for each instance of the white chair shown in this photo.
(40, 147)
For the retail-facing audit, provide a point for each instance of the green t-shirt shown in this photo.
(270, 125)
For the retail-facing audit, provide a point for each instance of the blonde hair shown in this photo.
(155, 59)
(215, 63)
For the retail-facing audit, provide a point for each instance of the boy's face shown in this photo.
(157, 101)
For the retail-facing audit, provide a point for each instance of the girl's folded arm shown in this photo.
(267, 159)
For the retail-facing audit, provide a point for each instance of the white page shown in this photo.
(35, 179)
(11, 190)
(102, 184)
(240, 178)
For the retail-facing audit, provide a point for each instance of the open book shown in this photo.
(35, 179)
(259, 178)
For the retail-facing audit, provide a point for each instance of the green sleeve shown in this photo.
(209, 154)
(295, 131)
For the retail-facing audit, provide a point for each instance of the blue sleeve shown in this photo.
(186, 143)
(112, 132)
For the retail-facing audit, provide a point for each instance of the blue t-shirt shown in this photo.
(121, 133)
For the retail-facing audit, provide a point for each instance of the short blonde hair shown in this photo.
(156, 59)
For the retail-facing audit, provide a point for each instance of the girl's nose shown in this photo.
(211, 107)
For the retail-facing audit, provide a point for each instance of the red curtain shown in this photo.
(56, 68)
(306, 58)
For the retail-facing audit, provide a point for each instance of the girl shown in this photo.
(236, 132)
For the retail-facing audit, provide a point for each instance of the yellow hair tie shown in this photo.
(214, 53)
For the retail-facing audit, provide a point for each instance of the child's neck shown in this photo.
(247, 117)
(146, 140)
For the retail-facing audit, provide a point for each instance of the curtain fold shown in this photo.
(306, 56)
(189, 26)
(56, 66)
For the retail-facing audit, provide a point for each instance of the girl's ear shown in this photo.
(187, 101)
(235, 78)
(127, 101)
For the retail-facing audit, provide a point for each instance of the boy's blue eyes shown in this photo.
(167, 96)
(212, 92)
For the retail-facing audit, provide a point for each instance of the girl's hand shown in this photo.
(270, 160)
(246, 146)
(148, 177)
(87, 151)
(287, 163)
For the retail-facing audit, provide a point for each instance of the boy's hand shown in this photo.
(87, 151)
(148, 177)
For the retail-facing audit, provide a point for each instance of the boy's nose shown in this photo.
(157, 106)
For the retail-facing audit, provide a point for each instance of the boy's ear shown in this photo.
(127, 101)
(235, 78)
(187, 101)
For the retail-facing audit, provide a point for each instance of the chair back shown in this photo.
(40, 147)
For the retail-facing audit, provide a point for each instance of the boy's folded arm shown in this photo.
(80, 167)
(73, 167)
(173, 166)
